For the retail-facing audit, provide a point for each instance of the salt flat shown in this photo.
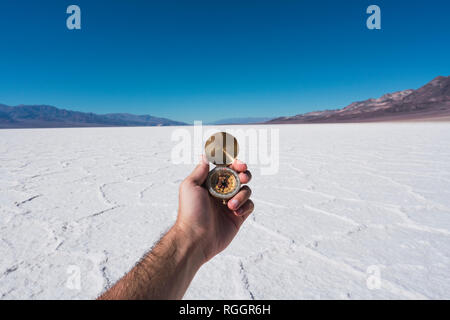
(92, 201)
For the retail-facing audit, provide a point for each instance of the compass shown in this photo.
(221, 149)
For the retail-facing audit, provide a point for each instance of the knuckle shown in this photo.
(247, 190)
(184, 183)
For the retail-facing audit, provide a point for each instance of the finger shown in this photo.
(238, 166)
(246, 215)
(239, 199)
(245, 210)
(245, 177)
(198, 176)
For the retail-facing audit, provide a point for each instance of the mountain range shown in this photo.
(42, 116)
(432, 101)
(247, 120)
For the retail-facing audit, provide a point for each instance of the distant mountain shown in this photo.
(241, 120)
(431, 101)
(42, 116)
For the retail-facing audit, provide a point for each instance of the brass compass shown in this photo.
(221, 149)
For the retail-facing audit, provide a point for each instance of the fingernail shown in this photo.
(240, 211)
(234, 204)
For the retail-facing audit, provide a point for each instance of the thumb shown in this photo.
(200, 172)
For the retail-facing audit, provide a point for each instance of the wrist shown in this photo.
(189, 244)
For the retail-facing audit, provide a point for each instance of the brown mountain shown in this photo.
(431, 101)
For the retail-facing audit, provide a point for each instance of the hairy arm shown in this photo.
(163, 273)
(204, 227)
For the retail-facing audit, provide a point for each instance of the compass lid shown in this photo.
(221, 149)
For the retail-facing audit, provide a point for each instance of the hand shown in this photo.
(204, 227)
(206, 220)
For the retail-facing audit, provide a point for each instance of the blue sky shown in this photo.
(207, 60)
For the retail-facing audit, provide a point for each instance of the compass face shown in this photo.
(223, 183)
(221, 148)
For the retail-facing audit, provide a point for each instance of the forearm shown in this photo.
(163, 273)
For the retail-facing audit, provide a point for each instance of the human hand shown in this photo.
(204, 227)
(206, 220)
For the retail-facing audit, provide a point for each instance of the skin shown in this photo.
(204, 227)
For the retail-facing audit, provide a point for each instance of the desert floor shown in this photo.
(78, 208)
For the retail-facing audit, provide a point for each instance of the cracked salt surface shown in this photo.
(346, 197)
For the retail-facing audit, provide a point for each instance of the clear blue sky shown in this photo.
(215, 59)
